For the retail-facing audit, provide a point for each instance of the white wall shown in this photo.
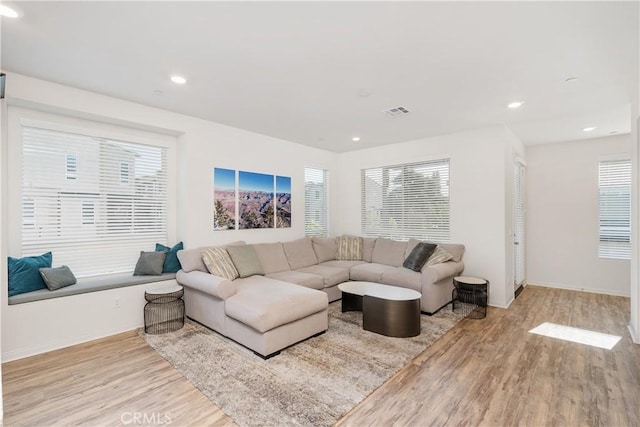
(562, 217)
(46, 325)
(477, 189)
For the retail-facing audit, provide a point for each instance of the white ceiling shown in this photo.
(318, 73)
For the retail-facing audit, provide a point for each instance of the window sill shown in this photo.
(91, 284)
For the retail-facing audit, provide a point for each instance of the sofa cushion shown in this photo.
(307, 280)
(272, 257)
(325, 249)
(246, 260)
(264, 304)
(219, 263)
(368, 243)
(369, 272)
(191, 259)
(419, 256)
(349, 248)
(342, 264)
(331, 275)
(402, 277)
(439, 256)
(300, 253)
(388, 252)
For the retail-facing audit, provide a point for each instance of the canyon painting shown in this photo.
(283, 202)
(255, 200)
(224, 199)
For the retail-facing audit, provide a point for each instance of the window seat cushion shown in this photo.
(89, 284)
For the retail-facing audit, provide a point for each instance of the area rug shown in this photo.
(313, 383)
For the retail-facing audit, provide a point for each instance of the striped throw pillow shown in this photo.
(219, 263)
(439, 256)
(350, 248)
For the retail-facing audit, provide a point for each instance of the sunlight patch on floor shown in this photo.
(581, 336)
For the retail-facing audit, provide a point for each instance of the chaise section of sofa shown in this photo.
(263, 314)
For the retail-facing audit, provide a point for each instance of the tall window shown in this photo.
(97, 223)
(614, 181)
(405, 201)
(315, 202)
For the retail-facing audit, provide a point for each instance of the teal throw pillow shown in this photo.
(24, 273)
(171, 262)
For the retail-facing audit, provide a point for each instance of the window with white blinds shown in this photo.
(614, 181)
(407, 201)
(315, 202)
(94, 203)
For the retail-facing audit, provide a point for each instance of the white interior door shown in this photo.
(519, 227)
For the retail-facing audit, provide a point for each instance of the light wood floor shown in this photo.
(482, 372)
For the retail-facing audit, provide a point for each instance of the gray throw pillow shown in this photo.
(419, 256)
(150, 264)
(56, 278)
(246, 260)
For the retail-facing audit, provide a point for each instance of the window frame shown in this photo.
(19, 116)
(618, 245)
(403, 233)
(311, 196)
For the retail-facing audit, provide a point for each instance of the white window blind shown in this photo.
(614, 180)
(519, 229)
(96, 223)
(407, 201)
(315, 202)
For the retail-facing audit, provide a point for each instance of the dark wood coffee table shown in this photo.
(386, 310)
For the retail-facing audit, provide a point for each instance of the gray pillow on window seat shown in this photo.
(58, 277)
(150, 263)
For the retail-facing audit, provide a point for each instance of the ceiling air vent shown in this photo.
(396, 112)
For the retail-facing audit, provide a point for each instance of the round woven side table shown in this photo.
(470, 295)
(164, 310)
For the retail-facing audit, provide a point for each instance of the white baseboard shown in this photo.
(635, 335)
(576, 288)
(66, 342)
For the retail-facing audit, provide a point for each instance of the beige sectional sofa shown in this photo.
(288, 304)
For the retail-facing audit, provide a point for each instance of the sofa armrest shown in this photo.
(435, 273)
(217, 286)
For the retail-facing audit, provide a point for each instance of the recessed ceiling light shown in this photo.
(355, 139)
(178, 80)
(589, 129)
(7, 11)
(516, 104)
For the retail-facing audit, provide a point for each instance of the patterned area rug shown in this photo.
(313, 383)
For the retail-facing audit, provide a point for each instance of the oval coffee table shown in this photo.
(386, 310)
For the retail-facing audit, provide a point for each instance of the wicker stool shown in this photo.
(471, 295)
(164, 310)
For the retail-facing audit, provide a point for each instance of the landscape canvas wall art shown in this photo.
(255, 200)
(224, 199)
(283, 202)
